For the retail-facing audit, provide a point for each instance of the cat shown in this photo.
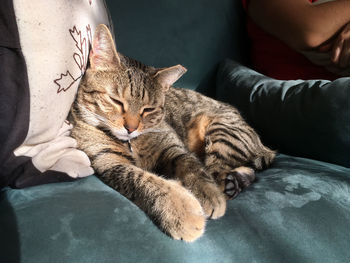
(175, 153)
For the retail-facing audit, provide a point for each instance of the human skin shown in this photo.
(305, 26)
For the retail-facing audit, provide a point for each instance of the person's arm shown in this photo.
(298, 23)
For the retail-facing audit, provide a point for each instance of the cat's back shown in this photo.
(184, 105)
(185, 101)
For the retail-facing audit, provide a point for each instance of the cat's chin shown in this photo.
(125, 136)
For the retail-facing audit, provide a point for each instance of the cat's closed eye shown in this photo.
(147, 110)
(119, 103)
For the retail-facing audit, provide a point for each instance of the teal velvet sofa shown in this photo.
(298, 210)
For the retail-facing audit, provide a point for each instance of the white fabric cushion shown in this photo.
(55, 36)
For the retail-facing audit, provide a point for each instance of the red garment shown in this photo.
(273, 58)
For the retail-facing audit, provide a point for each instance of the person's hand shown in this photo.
(340, 55)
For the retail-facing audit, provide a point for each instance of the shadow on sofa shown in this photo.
(9, 234)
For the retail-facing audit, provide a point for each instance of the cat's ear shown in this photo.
(103, 54)
(166, 77)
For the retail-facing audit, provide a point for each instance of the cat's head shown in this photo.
(124, 98)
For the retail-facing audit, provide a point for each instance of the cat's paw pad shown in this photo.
(237, 180)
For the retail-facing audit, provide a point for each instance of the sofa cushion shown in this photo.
(44, 51)
(309, 118)
(297, 211)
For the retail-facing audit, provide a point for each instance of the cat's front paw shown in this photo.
(182, 215)
(213, 201)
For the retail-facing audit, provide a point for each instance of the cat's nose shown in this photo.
(130, 129)
(131, 123)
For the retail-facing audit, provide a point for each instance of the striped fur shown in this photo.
(175, 153)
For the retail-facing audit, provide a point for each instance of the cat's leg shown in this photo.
(230, 149)
(175, 161)
(172, 207)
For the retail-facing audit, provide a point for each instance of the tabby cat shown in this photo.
(175, 153)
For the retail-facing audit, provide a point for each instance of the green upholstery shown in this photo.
(309, 118)
(297, 211)
(197, 34)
